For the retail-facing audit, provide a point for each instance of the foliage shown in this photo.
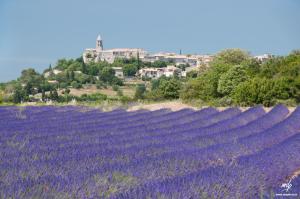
(83, 78)
(76, 85)
(235, 78)
(192, 74)
(255, 91)
(99, 84)
(154, 95)
(229, 80)
(115, 88)
(19, 94)
(140, 91)
(116, 81)
(164, 88)
(170, 88)
(1, 96)
(119, 92)
(232, 78)
(231, 57)
(130, 69)
(53, 95)
(263, 91)
(92, 97)
(159, 64)
(183, 66)
(63, 64)
(107, 74)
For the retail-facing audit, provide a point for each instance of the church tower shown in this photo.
(99, 44)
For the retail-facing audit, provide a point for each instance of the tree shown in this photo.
(67, 91)
(107, 74)
(155, 84)
(76, 85)
(115, 88)
(30, 75)
(1, 97)
(140, 91)
(231, 56)
(138, 61)
(72, 76)
(62, 77)
(203, 87)
(231, 79)
(130, 69)
(32, 81)
(159, 64)
(63, 64)
(192, 74)
(183, 66)
(255, 91)
(117, 81)
(80, 59)
(191, 89)
(95, 68)
(84, 68)
(54, 95)
(68, 75)
(19, 95)
(76, 66)
(170, 88)
(252, 67)
(83, 78)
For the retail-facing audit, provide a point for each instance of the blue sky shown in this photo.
(35, 33)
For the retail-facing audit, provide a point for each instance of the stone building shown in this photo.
(155, 73)
(118, 72)
(100, 54)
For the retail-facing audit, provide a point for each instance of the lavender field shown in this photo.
(80, 152)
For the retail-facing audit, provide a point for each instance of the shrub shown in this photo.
(255, 91)
(92, 97)
(76, 85)
(119, 92)
(140, 91)
(99, 84)
(117, 81)
(170, 88)
(115, 87)
(1, 97)
(63, 85)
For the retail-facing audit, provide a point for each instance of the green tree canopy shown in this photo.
(107, 74)
(159, 64)
(140, 91)
(170, 88)
(231, 56)
(231, 79)
(130, 69)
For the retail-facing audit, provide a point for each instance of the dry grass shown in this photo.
(177, 105)
(172, 105)
(127, 91)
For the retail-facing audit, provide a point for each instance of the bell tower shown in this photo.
(99, 44)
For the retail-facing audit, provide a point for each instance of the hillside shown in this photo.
(232, 78)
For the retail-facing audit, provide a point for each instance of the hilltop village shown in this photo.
(177, 63)
(123, 75)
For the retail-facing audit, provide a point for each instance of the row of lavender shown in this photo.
(79, 152)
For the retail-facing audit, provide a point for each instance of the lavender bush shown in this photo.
(80, 152)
